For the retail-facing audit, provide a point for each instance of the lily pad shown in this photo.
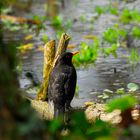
(103, 96)
(108, 91)
(132, 87)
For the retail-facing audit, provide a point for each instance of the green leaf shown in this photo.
(134, 57)
(123, 103)
(59, 33)
(45, 38)
(100, 10)
(132, 87)
(68, 24)
(57, 21)
(111, 35)
(87, 53)
(126, 16)
(56, 125)
(136, 32)
(120, 91)
(83, 18)
(105, 96)
(100, 129)
(106, 138)
(113, 11)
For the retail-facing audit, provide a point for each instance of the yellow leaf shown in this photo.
(25, 47)
(28, 37)
(89, 103)
(28, 46)
(71, 46)
(115, 4)
(90, 37)
(124, 44)
(40, 48)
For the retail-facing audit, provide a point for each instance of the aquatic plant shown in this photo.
(134, 56)
(88, 53)
(128, 16)
(135, 32)
(123, 103)
(45, 39)
(100, 10)
(120, 91)
(114, 34)
(57, 21)
(132, 87)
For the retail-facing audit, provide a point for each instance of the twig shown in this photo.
(50, 59)
(62, 46)
(49, 54)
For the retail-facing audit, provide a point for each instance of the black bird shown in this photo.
(62, 84)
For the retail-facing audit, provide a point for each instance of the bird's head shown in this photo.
(66, 57)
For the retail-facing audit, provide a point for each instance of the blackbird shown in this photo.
(62, 83)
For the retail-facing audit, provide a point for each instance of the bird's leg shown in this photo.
(68, 106)
(59, 110)
(67, 112)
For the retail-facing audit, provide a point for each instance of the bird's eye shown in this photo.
(67, 56)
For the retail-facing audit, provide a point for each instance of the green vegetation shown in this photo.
(87, 53)
(113, 37)
(134, 56)
(127, 101)
(100, 10)
(132, 87)
(45, 39)
(120, 91)
(20, 121)
(136, 32)
(128, 16)
(60, 25)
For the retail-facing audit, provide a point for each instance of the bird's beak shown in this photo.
(74, 53)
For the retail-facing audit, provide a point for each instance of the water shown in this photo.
(92, 80)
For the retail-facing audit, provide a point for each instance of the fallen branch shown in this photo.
(62, 46)
(50, 58)
(19, 19)
(49, 54)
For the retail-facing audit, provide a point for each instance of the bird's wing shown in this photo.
(57, 82)
(56, 91)
(69, 81)
(70, 85)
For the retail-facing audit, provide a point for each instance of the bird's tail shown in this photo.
(51, 108)
(55, 110)
(59, 111)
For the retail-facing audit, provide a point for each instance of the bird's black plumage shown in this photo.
(62, 83)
